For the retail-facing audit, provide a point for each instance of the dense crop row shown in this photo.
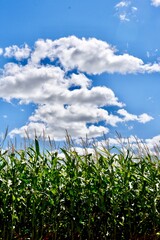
(110, 196)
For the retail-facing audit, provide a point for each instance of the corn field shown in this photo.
(109, 196)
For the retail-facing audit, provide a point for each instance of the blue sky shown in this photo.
(89, 67)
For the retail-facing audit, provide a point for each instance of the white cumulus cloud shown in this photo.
(17, 53)
(91, 55)
(66, 99)
(59, 107)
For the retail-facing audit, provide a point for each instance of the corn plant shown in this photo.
(107, 196)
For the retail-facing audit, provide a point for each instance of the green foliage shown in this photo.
(110, 196)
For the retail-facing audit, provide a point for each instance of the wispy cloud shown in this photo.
(65, 99)
(143, 118)
(155, 3)
(153, 54)
(123, 17)
(123, 4)
(125, 10)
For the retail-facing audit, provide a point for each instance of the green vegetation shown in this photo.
(90, 196)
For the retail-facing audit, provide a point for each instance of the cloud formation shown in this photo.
(54, 78)
(122, 4)
(18, 53)
(125, 11)
(91, 56)
(155, 3)
(143, 118)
